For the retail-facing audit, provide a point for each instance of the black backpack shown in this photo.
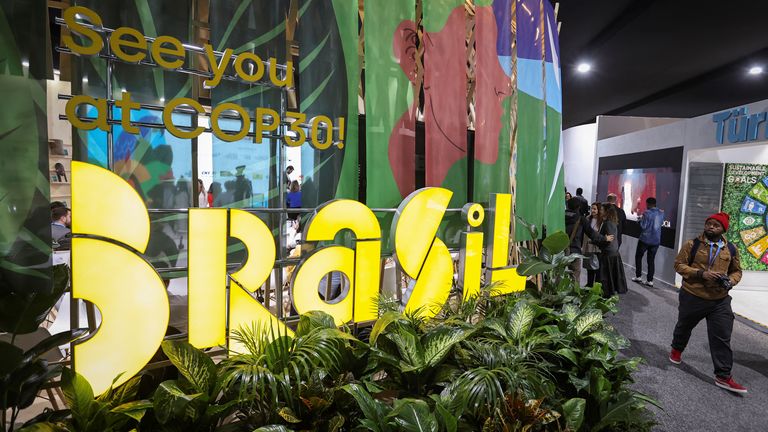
(697, 244)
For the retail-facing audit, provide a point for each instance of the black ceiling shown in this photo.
(661, 58)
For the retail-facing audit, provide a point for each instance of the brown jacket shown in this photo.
(695, 284)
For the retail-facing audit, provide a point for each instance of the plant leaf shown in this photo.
(78, 395)
(288, 415)
(413, 415)
(170, 403)
(587, 321)
(10, 358)
(521, 320)
(193, 364)
(273, 428)
(533, 266)
(134, 409)
(556, 242)
(573, 411)
(382, 323)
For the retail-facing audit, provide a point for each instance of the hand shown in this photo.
(610, 237)
(710, 276)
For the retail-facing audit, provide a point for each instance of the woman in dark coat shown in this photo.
(611, 273)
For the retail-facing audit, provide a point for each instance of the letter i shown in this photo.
(471, 258)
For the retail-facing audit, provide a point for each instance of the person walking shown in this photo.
(620, 215)
(577, 226)
(650, 238)
(710, 267)
(611, 273)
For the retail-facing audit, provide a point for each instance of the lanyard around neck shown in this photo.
(712, 257)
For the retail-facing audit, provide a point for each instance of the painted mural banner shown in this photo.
(745, 198)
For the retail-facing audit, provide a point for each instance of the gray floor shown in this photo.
(690, 400)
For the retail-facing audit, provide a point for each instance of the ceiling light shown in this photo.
(162, 99)
(85, 80)
(755, 70)
(584, 67)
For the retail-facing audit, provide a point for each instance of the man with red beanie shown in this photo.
(710, 267)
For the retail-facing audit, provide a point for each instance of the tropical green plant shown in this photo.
(114, 410)
(24, 373)
(294, 379)
(194, 402)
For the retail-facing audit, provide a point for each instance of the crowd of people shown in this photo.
(708, 264)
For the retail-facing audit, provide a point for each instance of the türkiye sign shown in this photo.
(738, 125)
(111, 228)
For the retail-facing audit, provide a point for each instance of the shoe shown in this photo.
(637, 279)
(676, 356)
(648, 283)
(730, 385)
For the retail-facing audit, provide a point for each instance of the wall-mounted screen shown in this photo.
(634, 177)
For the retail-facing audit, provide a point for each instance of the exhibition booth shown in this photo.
(694, 167)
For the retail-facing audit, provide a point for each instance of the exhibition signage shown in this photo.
(740, 125)
(745, 198)
(111, 229)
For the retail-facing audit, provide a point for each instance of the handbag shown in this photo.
(591, 261)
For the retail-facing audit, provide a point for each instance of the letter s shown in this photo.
(106, 272)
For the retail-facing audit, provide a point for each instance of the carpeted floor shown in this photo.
(690, 400)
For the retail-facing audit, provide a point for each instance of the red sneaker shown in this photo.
(675, 356)
(730, 385)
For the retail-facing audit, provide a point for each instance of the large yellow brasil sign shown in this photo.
(111, 230)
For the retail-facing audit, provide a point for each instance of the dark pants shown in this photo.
(719, 317)
(642, 248)
(591, 276)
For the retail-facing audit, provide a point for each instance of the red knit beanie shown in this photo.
(723, 218)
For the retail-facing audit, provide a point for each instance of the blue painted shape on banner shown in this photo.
(530, 77)
(765, 181)
(554, 92)
(749, 205)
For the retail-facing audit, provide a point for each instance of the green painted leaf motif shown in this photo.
(556, 242)
(587, 321)
(573, 411)
(521, 320)
(192, 363)
(19, 137)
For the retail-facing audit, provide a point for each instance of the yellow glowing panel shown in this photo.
(207, 277)
(104, 204)
(433, 285)
(507, 281)
(471, 263)
(304, 289)
(260, 245)
(366, 283)
(337, 215)
(245, 311)
(501, 205)
(134, 308)
(415, 225)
